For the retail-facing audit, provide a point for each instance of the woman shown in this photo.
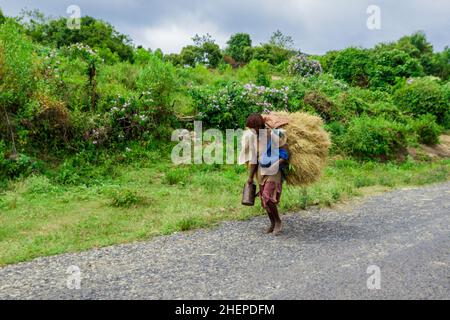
(271, 157)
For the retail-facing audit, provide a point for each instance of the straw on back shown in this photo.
(308, 145)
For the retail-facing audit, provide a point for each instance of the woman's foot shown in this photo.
(270, 229)
(278, 228)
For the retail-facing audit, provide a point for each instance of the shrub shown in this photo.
(126, 198)
(323, 106)
(303, 66)
(271, 53)
(353, 66)
(237, 45)
(426, 129)
(386, 109)
(158, 79)
(374, 138)
(256, 71)
(50, 128)
(421, 96)
(228, 107)
(176, 176)
(16, 66)
(389, 65)
(16, 165)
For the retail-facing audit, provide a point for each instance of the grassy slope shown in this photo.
(39, 219)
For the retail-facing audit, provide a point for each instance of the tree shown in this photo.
(2, 17)
(190, 55)
(142, 56)
(237, 47)
(211, 54)
(204, 51)
(441, 62)
(278, 39)
(93, 32)
(271, 53)
(353, 66)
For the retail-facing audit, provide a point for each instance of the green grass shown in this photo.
(41, 218)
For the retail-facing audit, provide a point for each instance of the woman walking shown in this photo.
(265, 153)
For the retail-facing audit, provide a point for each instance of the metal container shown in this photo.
(249, 194)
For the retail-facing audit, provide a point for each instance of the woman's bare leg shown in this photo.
(278, 226)
(272, 221)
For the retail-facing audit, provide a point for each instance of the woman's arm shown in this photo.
(252, 171)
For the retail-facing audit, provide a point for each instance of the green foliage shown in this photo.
(256, 71)
(426, 129)
(353, 66)
(273, 54)
(158, 79)
(326, 108)
(2, 17)
(421, 96)
(327, 60)
(238, 46)
(142, 56)
(205, 51)
(441, 64)
(374, 139)
(17, 81)
(391, 65)
(16, 165)
(278, 39)
(93, 32)
(126, 198)
(176, 176)
(228, 106)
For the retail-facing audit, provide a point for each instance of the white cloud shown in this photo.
(174, 34)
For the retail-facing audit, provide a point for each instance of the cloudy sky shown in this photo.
(315, 25)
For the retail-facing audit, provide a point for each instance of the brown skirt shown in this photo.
(270, 192)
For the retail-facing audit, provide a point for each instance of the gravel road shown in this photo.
(322, 254)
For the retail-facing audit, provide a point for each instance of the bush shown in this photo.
(126, 198)
(426, 129)
(256, 71)
(271, 53)
(421, 96)
(16, 66)
(353, 66)
(228, 106)
(374, 138)
(390, 65)
(158, 79)
(16, 165)
(50, 128)
(176, 176)
(303, 66)
(323, 106)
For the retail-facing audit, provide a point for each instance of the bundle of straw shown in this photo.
(308, 145)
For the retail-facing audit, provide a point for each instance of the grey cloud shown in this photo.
(315, 25)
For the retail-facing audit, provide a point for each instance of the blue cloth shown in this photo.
(270, 157)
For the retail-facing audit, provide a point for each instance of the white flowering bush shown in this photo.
(228, 107)
(303, 66)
